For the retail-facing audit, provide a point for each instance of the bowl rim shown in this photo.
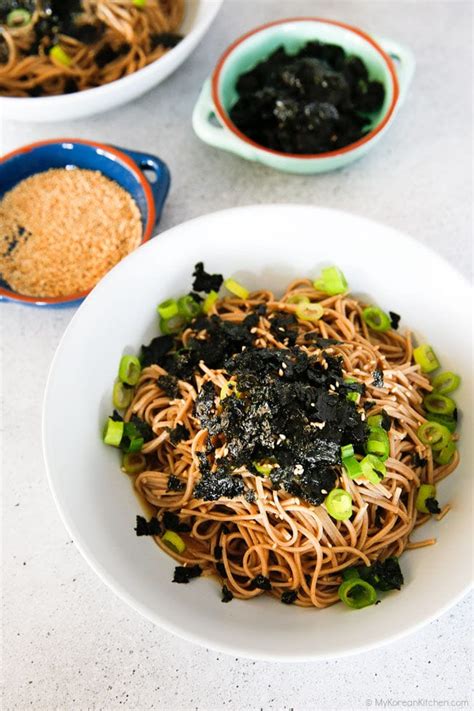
(202, 25)
(96, 145)
(223, 116)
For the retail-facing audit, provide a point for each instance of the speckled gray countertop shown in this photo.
(69, 643)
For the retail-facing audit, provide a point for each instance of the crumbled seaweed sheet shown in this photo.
(147, 528)
(183, 574)
(227, 596)
(417, 460)
(314, 101)
(172, 523)
(260, 582)
(206, 282)
(178, 434)
(386, 420)
(143, 428)
(156, 350)
(432, 506)
(289, 596)
(169, 385)
(394, 319)
(220, 567)
(290, 408)
(383, 575)
(175, 484)
(377, 378)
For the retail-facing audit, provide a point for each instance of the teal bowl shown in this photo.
(386, 61)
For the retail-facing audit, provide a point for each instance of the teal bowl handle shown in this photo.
(404, 61)
(210, 130)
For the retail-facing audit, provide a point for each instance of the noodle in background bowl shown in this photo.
(264, 247)
(199, 14)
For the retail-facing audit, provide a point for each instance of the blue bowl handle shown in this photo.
(161, 185)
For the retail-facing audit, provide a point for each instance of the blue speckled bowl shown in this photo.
(119, 164)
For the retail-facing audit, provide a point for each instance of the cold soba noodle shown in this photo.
(251, 503)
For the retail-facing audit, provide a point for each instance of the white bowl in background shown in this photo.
(199, 15)
(263, 247)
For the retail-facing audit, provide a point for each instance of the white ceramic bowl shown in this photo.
(264, 246)
(198, 17)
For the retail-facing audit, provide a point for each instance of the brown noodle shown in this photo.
(296, 544)
(127, 30)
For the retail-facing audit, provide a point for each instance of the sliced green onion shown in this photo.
(347, 451)
(129, 369)
(264, 468)
(133, 463)
(122, 396)
(376, 319)
(446, 382)
(230, 388)
(187, 307)
(309, 312)
(339, 504)
(60, 56)
(209, 301)
(113, 432)
(173, 541)
(378, 443)
(298, 299)
(426, 358)
(139, 3)
(350, 573)
(375, 420)
(439, 404)
(445, 455)
(169, 326)
(352, 467)
(168, 308)
(135, 445)
(132, 440)
(332, 281)
(357, 593)
(18, 18)
(353, 395)
(373, 468)
(426, 491)
(434, 434)
(449, 422)
(237, 289)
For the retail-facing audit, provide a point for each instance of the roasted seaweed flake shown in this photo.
(289, 596)
(172, 522)
(169, 385)
(383, 575)
(116, 416)
(206, 282)
(220, 567)
(378, 378)
(178, 434)
(217, 552)
(175, 484)
(386, 421)
(394, 320)
(184, 574)
(417, 460)
(227, 596)
(432, 505)
(156, 350)
(147, 528)
(143, 428)
(219, 485)
(261, 582)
